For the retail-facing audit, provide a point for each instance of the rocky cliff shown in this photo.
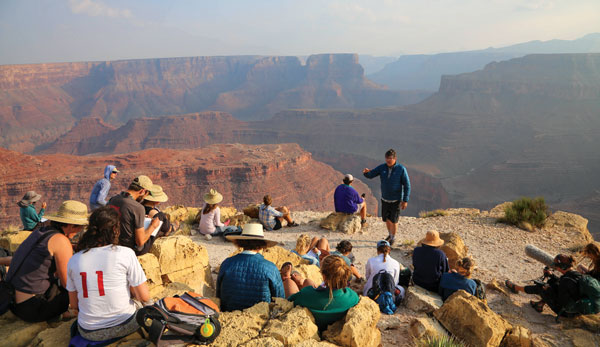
(242, 173)
(40, 102)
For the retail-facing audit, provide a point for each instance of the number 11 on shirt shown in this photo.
(84, 283)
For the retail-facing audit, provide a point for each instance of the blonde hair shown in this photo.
(302, 244)
(336, 274)
(467, 264)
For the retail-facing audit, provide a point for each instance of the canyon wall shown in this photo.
(242, 173)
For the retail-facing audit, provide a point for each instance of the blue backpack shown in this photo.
(382, 292)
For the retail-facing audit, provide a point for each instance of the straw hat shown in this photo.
(144, 182)
(70, 212)
(432, 238)
(252, 231)
(213, 197)
(28, 198)
(157, 194)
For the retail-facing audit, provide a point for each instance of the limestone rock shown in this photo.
(574, 225)
(346, 223)
(294, 327)
(251, 211)
(280, 306)
(279, 255)
(227, 213)
(169, 289)
(58, 336)
(582, 338)
(149, 264)
(498, 210)
(389, 322)
(359, 328)
(590, 322)
(311, 272)
(11, 241)
(454, 248)
(262, 309)
(238, 327)
(419, 299)
(239, 220)
(471, 320)
(264, 342)
(423, 327)
(314, 343)
(180, 213)
(17, 333)
(495, 285)
(518, 336)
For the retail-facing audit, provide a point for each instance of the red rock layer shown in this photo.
(242, 173)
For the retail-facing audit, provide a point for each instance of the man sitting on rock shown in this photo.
(248, 278)
(271, 218)
(132, 215)
(347, 200)
(429, 262)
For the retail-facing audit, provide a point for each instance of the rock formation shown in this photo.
(242, 173)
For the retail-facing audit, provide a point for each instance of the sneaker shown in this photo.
(391, 241)
(208, 237)
(292, 224)
(388, 238)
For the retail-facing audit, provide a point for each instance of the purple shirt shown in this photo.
(346, 199)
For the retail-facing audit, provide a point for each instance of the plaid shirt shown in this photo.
(267, 214)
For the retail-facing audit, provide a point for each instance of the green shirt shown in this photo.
(317, 302)
(30, 217)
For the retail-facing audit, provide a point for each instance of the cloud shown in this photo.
(97, 9)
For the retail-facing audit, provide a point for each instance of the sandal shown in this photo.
(537, 305)
(510, 285)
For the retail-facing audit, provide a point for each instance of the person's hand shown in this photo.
(547, 272)
(155, 222)
(44, 205)
(403, 205)
(366, 170)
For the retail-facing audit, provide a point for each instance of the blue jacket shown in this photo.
(101, 188)
(394, 187)
(451, 282)
(247, 279)
(429, 263)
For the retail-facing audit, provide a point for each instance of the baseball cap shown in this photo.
(144, 182)
(349, 177)
(383, 243)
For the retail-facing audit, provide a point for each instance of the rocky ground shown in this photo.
(497, 248)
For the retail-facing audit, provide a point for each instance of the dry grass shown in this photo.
(434, 213)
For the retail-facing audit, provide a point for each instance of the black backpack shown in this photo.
(382, 282)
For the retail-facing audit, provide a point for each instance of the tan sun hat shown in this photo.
(213, 197)
(70, 212)
(144, 182)
(28, 198)
(252, 231)
(432, 238)
(157, 194)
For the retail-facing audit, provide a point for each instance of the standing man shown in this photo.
(101, 188)
(347, 200)
(395, 191)
(132, 215)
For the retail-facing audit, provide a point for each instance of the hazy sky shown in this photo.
(33, 31)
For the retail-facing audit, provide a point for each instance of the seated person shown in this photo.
(459, 279)
(150, 204)
(429, 262)
(383, 261)
(210, 221)
(133, 234)
(102, 278)
(559, 292)
(40, 260)
(312, 250)
(293, 280)
(29, 216)
(248, 278)
(347, 200)
(271, 218)
(331, 301)
(344, 250)
(592, 252)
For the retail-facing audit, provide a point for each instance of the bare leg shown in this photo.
(355, 272)
(391, 227)
(302, 282)
(363, 211)
(323, 245)
(290, 287)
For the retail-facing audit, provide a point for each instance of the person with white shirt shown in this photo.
(383, 261)
(102, 277)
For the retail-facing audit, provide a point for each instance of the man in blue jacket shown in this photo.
(101, 188)
(395, 191)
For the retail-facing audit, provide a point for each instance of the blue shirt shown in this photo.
(395, 184)
(101, 188)
(429, 263)
(346, 199)
(451, 282)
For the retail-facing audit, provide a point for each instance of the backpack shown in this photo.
(382, 292)
(480, 290)
(404, 278)
(185, 319)
(589, 303)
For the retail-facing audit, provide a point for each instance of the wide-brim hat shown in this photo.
(252, 231)
(432, 238)
(70, 212)
(144, 182)
(213, 197)
(29, 197)
(157, 194)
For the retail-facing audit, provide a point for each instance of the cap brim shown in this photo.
(270, 243)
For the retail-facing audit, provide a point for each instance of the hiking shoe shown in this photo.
(208, 237)
(363, 223)
(292, 224)
(392, 241)
(388, 238)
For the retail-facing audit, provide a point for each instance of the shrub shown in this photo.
(440, 341)
(434, 213)
(526, 213)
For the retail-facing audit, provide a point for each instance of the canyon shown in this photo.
(242, 173)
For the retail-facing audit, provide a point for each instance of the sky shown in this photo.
(37, 31)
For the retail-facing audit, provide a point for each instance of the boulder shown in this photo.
(453, 247)
(574, 225)
(279, 307)
(11, 241)
(424, 327)
(314, 343)
(238, 327)
(239, 220)
(471, 320)
(251, 211)
(58, 336)
(264, 342)
(498, 211)
(16, 333)
(590, 322)
(582, 338)
(359, 328)
(420, 299)
(518, 336)
(389, 322)
(294, 327)
(279, 255)
(343, 222)
(181, 214)
(495, 285)
(227, 213)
